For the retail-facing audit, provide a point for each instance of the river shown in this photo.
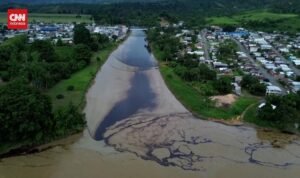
(137, 128)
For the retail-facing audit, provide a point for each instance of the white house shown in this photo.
(264, 104)
(296, 62)
(296, 86)
(273, 90)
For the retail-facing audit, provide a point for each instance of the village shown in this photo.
(271, 57)
(63, 31)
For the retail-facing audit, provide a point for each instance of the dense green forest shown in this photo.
(28, 71)
(147, 13)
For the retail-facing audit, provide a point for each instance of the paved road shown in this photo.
(291, 65)
(259, 67)
(205, 44)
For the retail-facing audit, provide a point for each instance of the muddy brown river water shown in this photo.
(136, 128)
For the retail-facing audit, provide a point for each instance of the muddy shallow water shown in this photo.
(137, 128)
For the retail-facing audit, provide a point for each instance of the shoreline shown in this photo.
(234, 122)
(56, 142)
(23, 148)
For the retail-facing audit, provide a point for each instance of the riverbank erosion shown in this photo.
(137, 128)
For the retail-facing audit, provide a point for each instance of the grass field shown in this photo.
(201, 105)
(52, 18)
(251, 117)
(80, 80)
(283, 22)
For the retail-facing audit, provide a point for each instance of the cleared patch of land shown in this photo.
(199, 104)
(261, 20)
(52, 18)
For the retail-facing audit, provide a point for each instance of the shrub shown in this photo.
(70, 88)
(5, 76)
(60, 96)
(25, 114)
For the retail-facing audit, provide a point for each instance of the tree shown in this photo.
(281, 111)
(81, 35)
(114, 37)
(6, 50)
(248, 80)
(102, 40)
(258, 89)
(267, 113)
(206, 73)
(229, 28)
(68, 120)
(25, 113)
(45, 49)
(181, 71)
(59, 42)
(227, 50)
(253, 85)
(223, 85)
(82, 53)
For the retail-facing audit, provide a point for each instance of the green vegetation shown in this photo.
(280, 112)
(199, 104)
(52, 18)
(26, 117)
(250, 116)
(79, 80)
(250, 15)
(260, 20)
(253, 85)
(227, 51)
(194, 13)
(25, 113)
(32, 71)
(191, 83)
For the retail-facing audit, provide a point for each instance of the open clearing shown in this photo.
(283, 22)
(201, 105)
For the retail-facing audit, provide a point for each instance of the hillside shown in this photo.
(193, 12)
(260, 20)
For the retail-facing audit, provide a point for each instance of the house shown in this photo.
(199, 53)
(257, 54)
(266, 47)
(264, 104)
(219, 65)
(285, 68)
(295, 86)
(238, 79)
(237, 88)
(284, 50)
(296, 62)
(273, 90)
